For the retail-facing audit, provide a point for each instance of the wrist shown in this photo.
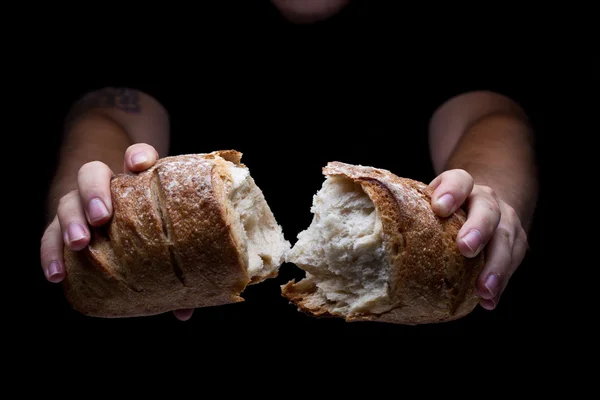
(517, 190)
(498, 151)
(91, 137)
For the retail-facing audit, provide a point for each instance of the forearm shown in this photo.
(498, 151)
(100, 127)
(93, 138)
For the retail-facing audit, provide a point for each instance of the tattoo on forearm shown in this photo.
(120, 98)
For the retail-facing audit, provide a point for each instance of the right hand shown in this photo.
(89, 204)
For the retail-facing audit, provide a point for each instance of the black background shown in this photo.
(374, 50)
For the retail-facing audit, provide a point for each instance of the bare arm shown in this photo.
(488, 135)
(100, 135)
(100, 127)
(482, 147)
(106, 132)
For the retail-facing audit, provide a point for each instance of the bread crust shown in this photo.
(169, 245)
(430, 280)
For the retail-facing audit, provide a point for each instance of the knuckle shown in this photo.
(444, 175)
(49, 247)
(511, 213)
(46, 237)
(523, 239)
(65, 202)
(138, 147)
(62, 203)
(487, 219)
(487, 190)
(515, 262)
(463, 174)
(457, 181)
(456, 174)
(523, 234)
(94, 178)
(494, 207)
(90, 167)
(132, 149)
(504, 232)
(483, 220)
(94, 188)
(48, 252)
(486, 224)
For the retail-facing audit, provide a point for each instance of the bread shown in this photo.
(375, 251)
(192, 231)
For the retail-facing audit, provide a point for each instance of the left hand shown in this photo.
(491, 224)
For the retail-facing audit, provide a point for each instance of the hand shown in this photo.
(491, 224)
(89, 204)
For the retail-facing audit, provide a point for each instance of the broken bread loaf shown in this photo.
(191, 231)
(375, 250)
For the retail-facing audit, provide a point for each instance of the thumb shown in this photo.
(139, 157)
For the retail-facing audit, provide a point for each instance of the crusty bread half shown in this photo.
(192, 231)
(376, 251)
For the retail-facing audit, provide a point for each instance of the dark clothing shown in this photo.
(299, 97)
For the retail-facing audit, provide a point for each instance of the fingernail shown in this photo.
(492, 283)
(138, 158)
(473, 241)
(488, 304)
(445, 203)
(97, 210)
(54, 273)
(75, 232)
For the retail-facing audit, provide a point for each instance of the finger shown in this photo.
(139, 157)
(498, 267)
(483, 218)
(451, 189)
(51, 253)
(488, 304)
(520, 248)
(72, 221)
(520, 243)
(93, 181)
(184, 314)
